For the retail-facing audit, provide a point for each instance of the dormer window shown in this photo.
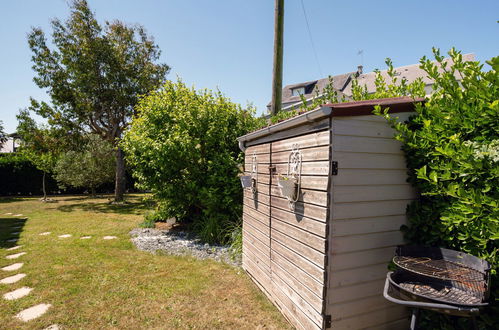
(298, 91)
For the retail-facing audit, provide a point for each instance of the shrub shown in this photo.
(89, 168)
(182, 147)
(19, 176)
(452, 152)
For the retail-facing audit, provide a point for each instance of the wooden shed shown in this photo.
(321, 254)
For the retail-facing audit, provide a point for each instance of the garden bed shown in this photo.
(180, 243)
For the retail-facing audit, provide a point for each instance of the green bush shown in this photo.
(91, 167)
(19, 176)
(182, 147)
(452, 152)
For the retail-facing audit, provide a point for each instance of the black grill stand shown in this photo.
(417, 305)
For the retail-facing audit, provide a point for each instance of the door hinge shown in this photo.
(272, 169)
(327, 321)
(334, 168)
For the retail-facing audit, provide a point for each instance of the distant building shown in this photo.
(11, 144)
(342, 83)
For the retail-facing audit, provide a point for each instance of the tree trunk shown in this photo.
(43, 187)
(119, 189)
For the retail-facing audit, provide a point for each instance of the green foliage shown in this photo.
(388, 85)
(183, 148)
(3, 135)
(149, 221)
(19, 176)
(452, 151)
(235, 237)
(88, 168)
(94, 75)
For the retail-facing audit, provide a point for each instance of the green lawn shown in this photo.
(108, 284)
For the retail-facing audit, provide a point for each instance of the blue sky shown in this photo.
(228, 43)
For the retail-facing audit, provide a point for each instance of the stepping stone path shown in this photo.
(85, 237)
(8, 213)
(52, 327)
(15, 256)
(12, 279)
(33, 312)
(13, 267)
(37, 310)
(16, 294)
(45, 233)
(110, 237)
(65, 236)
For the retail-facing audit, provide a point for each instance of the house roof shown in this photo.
(339, 84)
(409, 72)
(342, 82)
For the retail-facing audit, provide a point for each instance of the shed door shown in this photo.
(298, 235)
(284, 249)
(256, 217)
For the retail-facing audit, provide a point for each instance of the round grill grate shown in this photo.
(438, 268)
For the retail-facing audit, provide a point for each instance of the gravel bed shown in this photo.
(179, 244)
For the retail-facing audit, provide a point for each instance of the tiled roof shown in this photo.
(342, 82)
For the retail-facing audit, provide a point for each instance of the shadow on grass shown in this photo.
(10, 230)
(129, 207)
(5, 200)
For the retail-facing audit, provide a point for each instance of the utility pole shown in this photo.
(278, 51)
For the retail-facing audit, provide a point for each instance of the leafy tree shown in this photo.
(3, 135)
(88, 168)
(39, 144)
(183, 148)
(94, 76)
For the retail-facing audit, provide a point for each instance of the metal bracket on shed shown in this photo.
(254, 172)
(334, 168)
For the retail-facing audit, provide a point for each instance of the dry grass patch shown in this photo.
(107, 284)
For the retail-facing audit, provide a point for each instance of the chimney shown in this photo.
(359, 70)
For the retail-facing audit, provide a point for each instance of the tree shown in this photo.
(39, 144)
(95, 76)
(88, 168)
(183, 147)
(3, 135)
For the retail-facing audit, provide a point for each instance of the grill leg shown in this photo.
(414, 318)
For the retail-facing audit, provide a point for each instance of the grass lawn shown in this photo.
(108, 284)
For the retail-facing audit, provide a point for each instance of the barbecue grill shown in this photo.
(440, 280)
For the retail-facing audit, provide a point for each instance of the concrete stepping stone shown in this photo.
(16, 294)
(18, 215)
(12, 279)
(45, 233)
(65, 236)
(109, 237)
(85, 237)
(12, 267)
(9, 213)
(15, 256)
(14, 248)
(52, 327)
(33, 312)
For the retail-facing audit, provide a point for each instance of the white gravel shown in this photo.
(180, 244)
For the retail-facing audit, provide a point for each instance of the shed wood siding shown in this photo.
(285, 251)
(370, 196)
